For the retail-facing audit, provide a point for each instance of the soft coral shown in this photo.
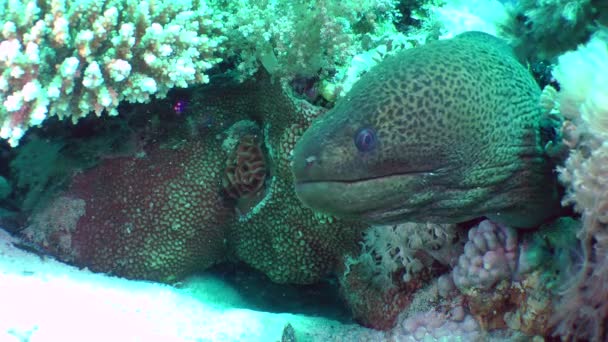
(582, 312)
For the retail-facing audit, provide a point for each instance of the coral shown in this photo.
(278, 235)
(157, 216)
(45, 161)
(405, 248)
(484, 272)
(584, 296)
(530, 302)
(460, 16)
(489, 256)
(445, 286)
(373, 305)
(394, 262)
(38, 165)
(69, 58)
(163, 213)
(455, 325)
(290, 38)
(582, 310)
(245, 171)
(52, 228)
(5, 188)
(514, 283)
(583, 98)
(553, 250)
(541, 30)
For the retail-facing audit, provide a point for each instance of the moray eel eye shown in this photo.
(365, 139)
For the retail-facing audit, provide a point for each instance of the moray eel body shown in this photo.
(445, 132)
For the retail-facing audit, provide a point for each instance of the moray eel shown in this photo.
(446, 132)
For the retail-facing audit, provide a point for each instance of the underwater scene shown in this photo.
(292, 171)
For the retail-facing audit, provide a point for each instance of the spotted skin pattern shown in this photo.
(457, 124)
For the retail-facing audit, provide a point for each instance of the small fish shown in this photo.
(180, 106)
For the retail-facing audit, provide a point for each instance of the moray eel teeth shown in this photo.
(445, 132)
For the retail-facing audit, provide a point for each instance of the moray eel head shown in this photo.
(445, 132)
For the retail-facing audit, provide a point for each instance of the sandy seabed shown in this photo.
(42, 299)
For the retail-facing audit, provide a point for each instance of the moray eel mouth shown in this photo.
(380, 200)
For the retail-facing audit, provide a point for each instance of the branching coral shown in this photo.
(69, 58)
(289, 38)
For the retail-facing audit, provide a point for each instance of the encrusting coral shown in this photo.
(156, 216)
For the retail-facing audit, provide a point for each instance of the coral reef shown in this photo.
(582, 310)
(208, 176)
(278, 235)
(485, 270)
(458, 16)
(394, 262)
(69, 58)
(489, 256)
(246, 168)
(405, 248)
(164, 211)
(155, 216)
(507, 280)
(554, 251)
(438, 326)
(530, 306)
(373, 305)
(290, 38)
(89, 56)
(542, 30)
(38, 164)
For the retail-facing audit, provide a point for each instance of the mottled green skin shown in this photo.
(458, 137)
(281, 238)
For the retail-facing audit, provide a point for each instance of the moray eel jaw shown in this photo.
(332, 176)
(423, 196)
(370, 199)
